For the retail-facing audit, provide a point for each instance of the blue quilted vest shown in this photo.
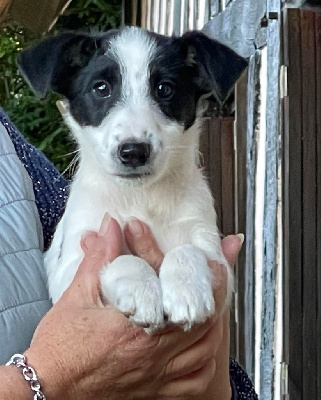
(23, 294)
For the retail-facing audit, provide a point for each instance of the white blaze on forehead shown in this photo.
(133, 49)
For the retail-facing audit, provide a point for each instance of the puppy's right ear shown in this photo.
(51, 63)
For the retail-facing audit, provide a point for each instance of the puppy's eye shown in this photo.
(102, 89)
(165, 90)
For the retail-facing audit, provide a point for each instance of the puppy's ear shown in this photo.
(51, 63)
(218, 66)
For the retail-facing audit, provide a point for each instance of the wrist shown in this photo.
(50, 374)
(14, 387)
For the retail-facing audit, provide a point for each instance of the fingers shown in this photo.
(191, 385)
(231, 246)
(142, 243)
(105, 245)
(197, 355)
(175, 341)
(99, 249)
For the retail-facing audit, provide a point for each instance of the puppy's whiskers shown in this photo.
(71, 167)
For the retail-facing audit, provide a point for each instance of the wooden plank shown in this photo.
(227, 170)
(270, 235)
(285, 194)
(127, 13)
(286, 202)
(240, 206)
(215, 165)
(204, 147)
(253, 102)
(318, 172)
(295, 3)
(215, 7)
(309, 204)
(216, 147)
(216, 144)
(293, 206)
(210, 160)
(238, 25)
(313, 3)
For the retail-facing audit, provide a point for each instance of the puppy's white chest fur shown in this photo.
(181, 216)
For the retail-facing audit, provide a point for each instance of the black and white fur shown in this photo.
(133, 101)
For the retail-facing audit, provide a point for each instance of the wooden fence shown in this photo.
(218, 161)
(302, 195)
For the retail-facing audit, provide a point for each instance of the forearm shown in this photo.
(48, 374)
(13, 384)
(54, 379)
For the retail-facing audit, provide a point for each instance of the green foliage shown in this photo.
(100, 14)
(40, 121)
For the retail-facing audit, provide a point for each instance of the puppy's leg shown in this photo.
(187, 286)
(132, 286)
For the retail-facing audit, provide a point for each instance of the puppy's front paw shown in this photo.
(186, 282)
(132, 286)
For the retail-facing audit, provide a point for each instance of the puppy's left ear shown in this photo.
(218, 66)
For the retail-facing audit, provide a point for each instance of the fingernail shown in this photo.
(241, 237)
(104, 225)
(135, 227)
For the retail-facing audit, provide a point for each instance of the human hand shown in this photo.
(220, 387)
(83, 349)
(216, 342)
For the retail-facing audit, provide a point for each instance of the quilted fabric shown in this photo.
(24, 298)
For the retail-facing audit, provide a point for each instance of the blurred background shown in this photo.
(40, 121)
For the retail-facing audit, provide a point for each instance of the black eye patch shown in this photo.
(95, 91)
(171, 86)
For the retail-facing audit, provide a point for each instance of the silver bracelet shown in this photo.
(29, 374)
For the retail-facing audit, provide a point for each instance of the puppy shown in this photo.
(133, 101)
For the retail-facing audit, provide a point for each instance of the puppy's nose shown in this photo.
(134, 154)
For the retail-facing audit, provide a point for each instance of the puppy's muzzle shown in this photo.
(134, 154)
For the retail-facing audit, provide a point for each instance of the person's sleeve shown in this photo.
(242, 387)
(50, 188)
(24, 297)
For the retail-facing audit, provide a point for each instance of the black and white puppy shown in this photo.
(133, 101)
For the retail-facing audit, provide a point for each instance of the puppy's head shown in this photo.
(132, 98)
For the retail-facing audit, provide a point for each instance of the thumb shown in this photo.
(103, 246)
(142, 243)
(100, 249)
(231, 246)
